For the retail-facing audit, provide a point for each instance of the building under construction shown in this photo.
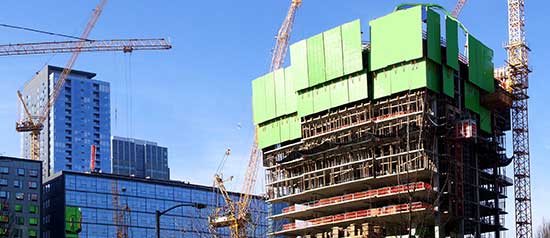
(397, 130)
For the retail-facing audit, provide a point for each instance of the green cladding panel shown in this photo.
(295, 127)
(382, 84)
(407, 77)
(485, 120)
(284, 128)
(291, 96)
(316, 60)
(352, 47)
(471, 97)
(269, 134)
(333, 53)
(321, 98)
(258, 100)
(270, 102)
(451, 33)
(305, 103)
(298, 60)
(480, 62)
(358, 88)
(339, 93)
(434, 36)
(280, 94)
(396, 38)
(448, 82)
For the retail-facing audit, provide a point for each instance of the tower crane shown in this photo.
(458, 8)
(237, 213)
(517, 73)
(35, 124)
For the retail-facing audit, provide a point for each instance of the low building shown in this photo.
(106, 205)
(139, 158)
(20, 190)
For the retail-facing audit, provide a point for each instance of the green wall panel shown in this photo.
(352, 47)
(291, 96)
(434, 36)
(280, 94)
(433, 71)
(298, 60)
(273, 133)
(382, 84)
(396, 38)
(305, 103)
(451, 37)
(358, 87)
(339, 93)
(316, 60)
(333, 53)
(321, 98)
(485, 120)
(262, 136)
(258, 100)
(448, 82)
(471, 97)
(284, 128)
(270, 103)
(480, 62)
(295, 127)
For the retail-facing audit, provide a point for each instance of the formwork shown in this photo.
(409, 143)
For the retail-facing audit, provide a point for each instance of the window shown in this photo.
(33, 197)
(20, 221)
(33, 172)
(32, 233)
(16, 183)
(33, 209)
(3, 231)
(4, 207)
(4, 219)
(33, 185)
(4, 170)
(33, 221)
(21, 172)
(18, 208)
(4, 194)
(19, 196)
(3, 182)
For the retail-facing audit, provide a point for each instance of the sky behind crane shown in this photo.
(196, 98)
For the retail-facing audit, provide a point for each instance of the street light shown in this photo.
(160, 213)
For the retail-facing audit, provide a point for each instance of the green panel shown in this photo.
(471, 97)
(485, 120)
(448, 81)
(280, 94)
(273, 133)
(434, 36)
(321, 98)
(382, 84)
(291, 96)
(352, 47)
(433, 76)
(339, 93)
(400, 78)
(480, 61)
(263, 139)
(316, 60)
(298, 60)
(358, 88)
(295, 127)
(333, 53)
(270, 104)
(258, 100)
(396, 38)
(73, 216)
(284, 128)
(305, 103)
(18, 207)
(451, 32)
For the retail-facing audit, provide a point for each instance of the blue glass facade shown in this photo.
(104, 213)
(79, 119)
(139, 158)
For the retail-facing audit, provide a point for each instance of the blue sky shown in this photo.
(195, 98)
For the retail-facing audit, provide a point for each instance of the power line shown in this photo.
(40, 31)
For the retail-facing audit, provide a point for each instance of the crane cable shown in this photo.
(41, 31)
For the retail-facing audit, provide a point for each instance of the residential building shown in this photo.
(104, 205)
(20, 193)
(79, 119)
(139, 158)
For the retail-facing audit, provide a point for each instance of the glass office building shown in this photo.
(139, 158)
(79, 119)
(20, 190)
(101, 205)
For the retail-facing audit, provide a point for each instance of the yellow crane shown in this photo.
(35, 124)
(236, 214)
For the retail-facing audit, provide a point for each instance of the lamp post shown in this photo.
(160, 213)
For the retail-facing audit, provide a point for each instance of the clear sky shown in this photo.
(195, 98)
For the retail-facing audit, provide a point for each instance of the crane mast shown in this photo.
(518, 74)
(458, 8)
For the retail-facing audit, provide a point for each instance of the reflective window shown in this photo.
(4, 170)
(21, 172)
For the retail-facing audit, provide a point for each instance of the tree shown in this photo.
(544, 230)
